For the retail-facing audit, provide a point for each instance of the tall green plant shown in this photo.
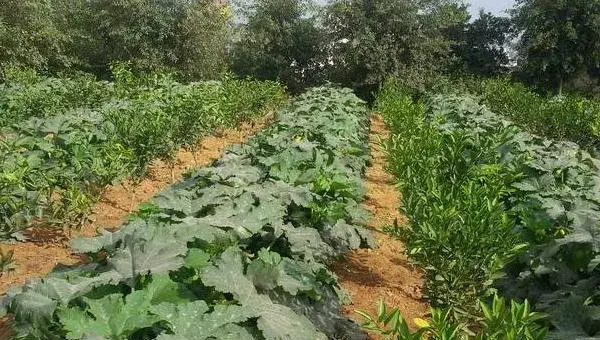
(569, 118)
(453, 186)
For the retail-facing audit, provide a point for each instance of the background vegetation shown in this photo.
(551, 45)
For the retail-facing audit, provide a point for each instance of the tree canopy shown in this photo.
(280, 40)
(356, 43)
(560, 39)
(371, 40)
(482, 47)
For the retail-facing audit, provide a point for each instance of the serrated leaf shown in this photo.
(196, 259)
(306, 243)
(275, 321)
(227, 276)
(278, 322)
(31, 305)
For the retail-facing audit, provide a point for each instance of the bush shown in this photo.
(27, 94)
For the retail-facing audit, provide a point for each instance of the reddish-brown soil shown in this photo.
(48, 247)
(369, 275)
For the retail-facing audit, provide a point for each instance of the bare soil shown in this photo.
(369, 275)
(48, 247)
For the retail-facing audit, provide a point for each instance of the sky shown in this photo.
(495, 6)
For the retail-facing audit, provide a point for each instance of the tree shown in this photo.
(30, 36)
(372, 40)
(560, 39)
(483, 50)
(189, 36)
(375, 39)
(204, 33)
(143, 32)
(281, 40)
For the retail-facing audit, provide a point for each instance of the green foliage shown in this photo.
(569, 118)
(56, 163)
(453, 189)
(142, 32)
(56, 35)
(373, 40)
(31, 35)
(233, 251)
(482, 45)
(54, 167)
(26, 94)
(498, 321)
(560, 40)
(280, 41)
(204, 34)
(547, 193)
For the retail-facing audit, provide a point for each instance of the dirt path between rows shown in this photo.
(369, 275)
(49, 247)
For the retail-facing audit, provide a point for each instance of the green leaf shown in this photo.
(279, 322)
(110, 316)
(159, 252)
(196, 259)
(227, 276)
(163, 289)
(193, 321)
(274, 320)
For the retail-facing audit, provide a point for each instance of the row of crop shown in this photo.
(54, 167)
(494, 208)
(235, 251)
(569, 117)
(26, 94)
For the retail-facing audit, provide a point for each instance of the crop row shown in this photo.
(56, 165)
(235, 251)
(570, 117)
(495, 208)
(25, 94)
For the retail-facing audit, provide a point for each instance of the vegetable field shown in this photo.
(64, 140)
(238, 249)
(499, 223)
(299, 169)
(495, 209)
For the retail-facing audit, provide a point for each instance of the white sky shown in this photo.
(495, 6)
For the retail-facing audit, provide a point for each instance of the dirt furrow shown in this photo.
(385, 272)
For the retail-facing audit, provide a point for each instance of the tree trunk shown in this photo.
(560, 86)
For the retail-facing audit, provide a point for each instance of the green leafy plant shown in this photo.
(498, 321)
(463, 168)
(453, 188)
(56, 164)
(568, 118)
